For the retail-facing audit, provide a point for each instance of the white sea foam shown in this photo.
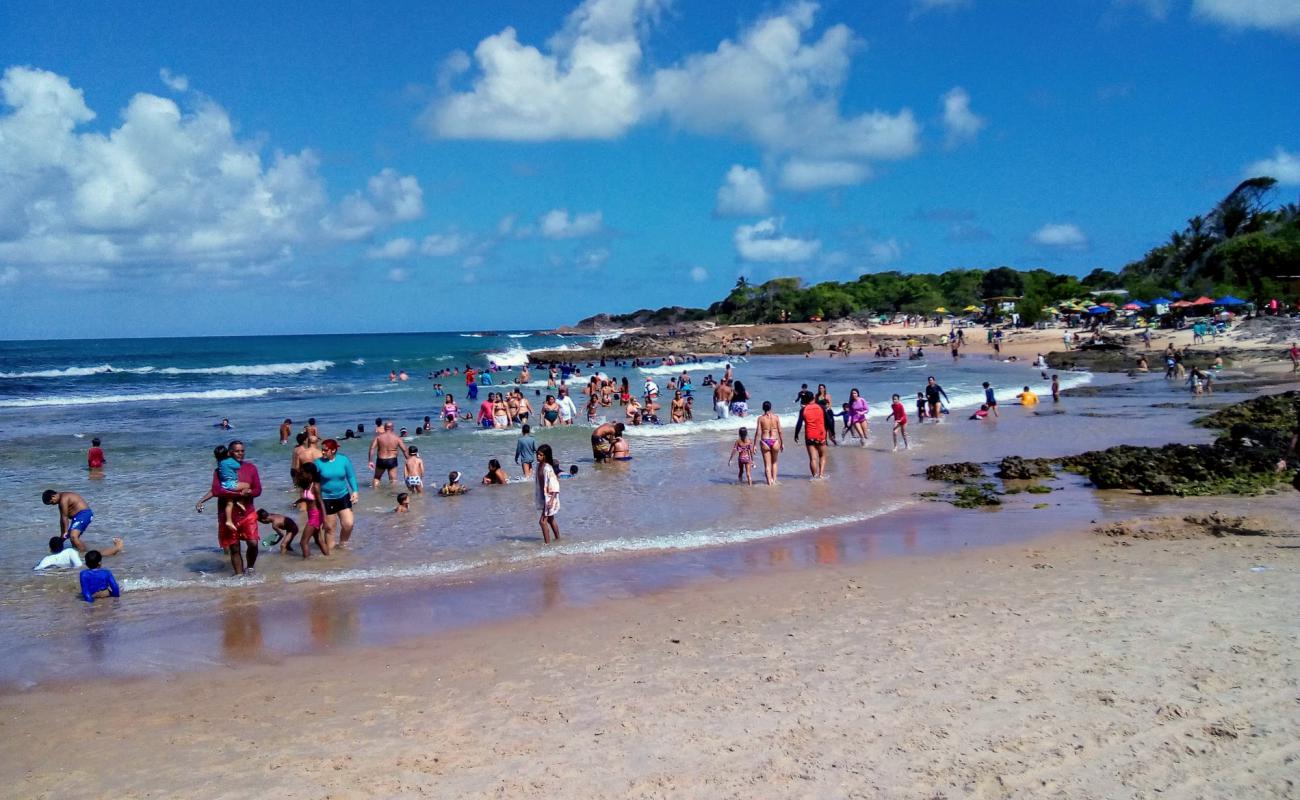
(518, 335)
(385, 573)
(205, 581)
(472, 335)
(107, 399)
(514, 357)
(697, 366)
(360, 362)
(292, 368)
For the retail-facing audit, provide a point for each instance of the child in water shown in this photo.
(308, 483)
(228, 474)
(285, 529)
(899, 415)
(743, 452)
(414, 470)
(453, 486)
(403, 504)
(97, 582)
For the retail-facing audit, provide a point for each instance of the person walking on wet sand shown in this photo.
(547, 492)
(770, 443)
(812, 422)
(245, 529)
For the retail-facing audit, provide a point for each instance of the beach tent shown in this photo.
(1161, 301)
(1203, 300)
(1231, 301)
(1099, 310)
(1176, 295)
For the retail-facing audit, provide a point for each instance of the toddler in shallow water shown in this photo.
(743, 453)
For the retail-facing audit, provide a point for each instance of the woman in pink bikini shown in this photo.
(770, 443)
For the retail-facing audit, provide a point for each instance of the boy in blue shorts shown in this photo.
(74, 515)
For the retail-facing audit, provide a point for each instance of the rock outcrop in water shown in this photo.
(1241, 461)
(1023, 469)
(957, 472)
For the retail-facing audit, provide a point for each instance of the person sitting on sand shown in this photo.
(981, 413)
(453, 486)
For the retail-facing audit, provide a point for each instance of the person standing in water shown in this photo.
(338, 491)
(547, 494)
(526, 450)
(245, 529)
(812, 421)
(932, 393)
(74, 515)
(898, 414)
(743, 453)
(770, 442)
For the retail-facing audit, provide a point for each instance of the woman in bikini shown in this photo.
(449, 413)
(770, 442)
(678, 408)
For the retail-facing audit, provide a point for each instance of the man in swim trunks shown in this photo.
(383, 453)
(74, 515)
(722, 394)
(770, 443)
(932, 393)
(812, 421)
(602, 441)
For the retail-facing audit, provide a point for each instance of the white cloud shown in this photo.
(177, 83)
(389, 198)
(1277, 15)
(1284, 166)
(506, 224)
(743, 193)
(961, 124)
(167, 187)
(699, 274)
(398, 274)
(768, 86)
(586, 85)
(1064, 235)
(592, 259)
(885, 252)
(765, 241)
(557, 224)
(392, 249)
(440, 245)
(804, 176)
(773, 88)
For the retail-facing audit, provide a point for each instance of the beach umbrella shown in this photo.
(1176, 295)
(1099, 310)
(1131, 307)
(1107, 305)
(1203, 300)
(972, 308)
(1181, 304)
(1231, 301)
(941, 310)
(1160, 301)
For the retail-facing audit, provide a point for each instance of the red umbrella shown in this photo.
(1202, 300)
(1181, 304)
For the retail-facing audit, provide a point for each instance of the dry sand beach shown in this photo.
(1150, 660)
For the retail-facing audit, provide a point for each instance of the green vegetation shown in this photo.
(1242, 247)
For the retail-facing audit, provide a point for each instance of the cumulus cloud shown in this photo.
(586, 84)
(1064, 235)
(960, 123)
(699, 274)
(775, 85)
(398, 274)
(743, 193)
(177, 83)
(557, 224)
(1285, 166)
(1275, 15)
(802, 175)
(164, 187)
(441, 245)
(392, 249)
(885, 252)
(765, 241)
(388, 198)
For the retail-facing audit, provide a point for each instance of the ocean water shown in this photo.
(154, 403)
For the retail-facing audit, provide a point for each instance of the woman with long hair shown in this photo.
(858, 410)
(547, 492)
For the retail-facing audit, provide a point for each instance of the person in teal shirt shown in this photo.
(338, 491)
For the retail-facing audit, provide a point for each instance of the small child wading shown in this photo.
(899, 416)
(743, 453)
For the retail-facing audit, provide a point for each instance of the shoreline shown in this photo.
(996, 670)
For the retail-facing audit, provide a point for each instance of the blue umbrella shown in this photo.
(1161, 301)
(1099, 310)
(1230, 301)
(1139, 304)
(1176, 295)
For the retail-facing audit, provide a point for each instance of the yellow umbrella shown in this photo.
(941, 310)
(972, 308)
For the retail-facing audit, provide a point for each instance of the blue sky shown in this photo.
(282, 168)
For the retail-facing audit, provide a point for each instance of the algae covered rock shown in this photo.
(957, 472)
(1017, 468)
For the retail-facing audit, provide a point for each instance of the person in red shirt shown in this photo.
(899, 415)
(95, 455)
(812, 421)
(246, 526)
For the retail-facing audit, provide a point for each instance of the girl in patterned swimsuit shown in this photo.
(743, 452)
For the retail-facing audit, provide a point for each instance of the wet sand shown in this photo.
(1079, 666)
